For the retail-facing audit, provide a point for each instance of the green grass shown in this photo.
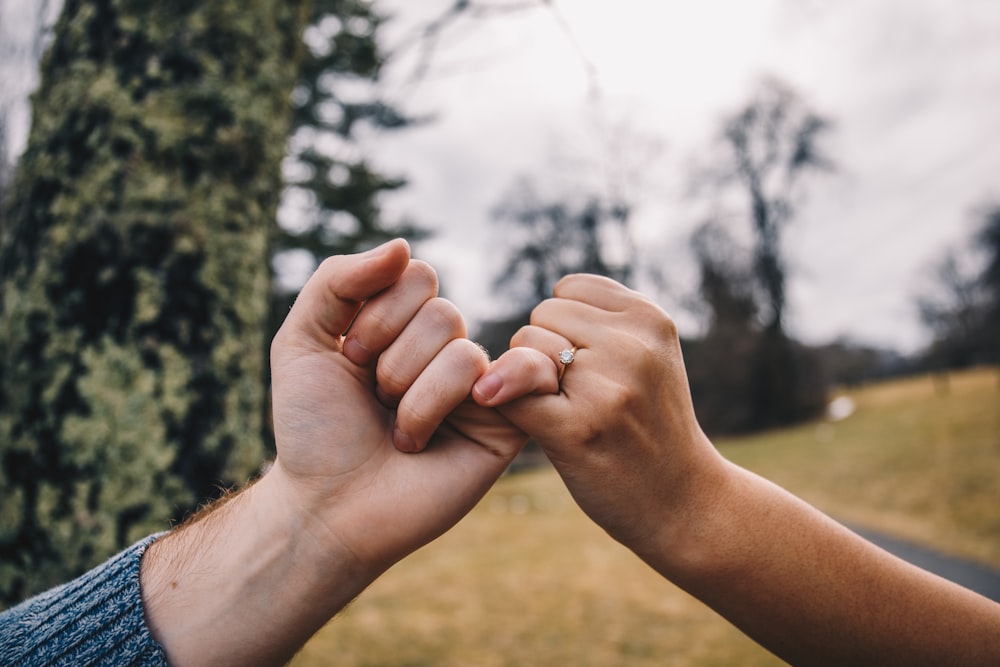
(527, 579)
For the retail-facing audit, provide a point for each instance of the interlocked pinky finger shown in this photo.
(520, 371)
(546, 341)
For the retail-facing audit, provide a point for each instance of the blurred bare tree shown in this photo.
(466, 16)
(727, 295)
(718, 362)
(961, 306)
(955, 313)
(764, 151)
(766, 148)
(988, 239)
(548, 238)
(552, 238)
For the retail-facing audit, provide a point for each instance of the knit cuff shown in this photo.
(96, 619)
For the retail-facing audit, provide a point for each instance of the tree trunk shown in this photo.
(134, 274)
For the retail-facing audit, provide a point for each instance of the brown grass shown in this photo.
(919, 459)
(527, 579)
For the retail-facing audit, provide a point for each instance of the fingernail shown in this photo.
(488, 386)
(403, 442)
(357, 352)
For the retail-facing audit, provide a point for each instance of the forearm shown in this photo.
(813, 592)
(623, 435)
(247, 584)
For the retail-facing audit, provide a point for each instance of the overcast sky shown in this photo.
(597, 89)
(626, 96)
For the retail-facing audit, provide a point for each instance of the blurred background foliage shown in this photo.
(137, 232)
(330, 202)
(183, 155)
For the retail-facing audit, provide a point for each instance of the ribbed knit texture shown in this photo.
(96, 619)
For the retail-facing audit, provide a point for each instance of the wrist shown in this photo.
(246, 583)
(308, 527)
(691, 515)
(334, 528)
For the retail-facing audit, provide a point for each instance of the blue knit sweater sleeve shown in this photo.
(96, 619)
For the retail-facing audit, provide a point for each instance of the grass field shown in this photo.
(526, 579)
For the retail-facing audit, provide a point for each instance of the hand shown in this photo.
(622, 431)
(248, 581)
(347, 408)
(623, 435)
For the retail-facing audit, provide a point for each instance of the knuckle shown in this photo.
(540, 313)
(328, 264)
(535, 364)
(415, 421)
(423, 272)
(443, 315)
(463, 353)
(648, 311)
(666, 327)
(566, 282)
(522, 336)
(377, 326)
(392, 376)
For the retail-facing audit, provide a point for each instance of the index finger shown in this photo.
(598, 291)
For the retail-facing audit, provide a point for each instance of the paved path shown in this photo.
(982, 579)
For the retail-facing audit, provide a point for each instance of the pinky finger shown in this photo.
(519, 372)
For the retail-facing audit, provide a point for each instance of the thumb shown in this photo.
(328, 302)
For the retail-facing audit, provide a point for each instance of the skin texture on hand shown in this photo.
(623, 435)
(345, 406)
(369, 367)
(623, 425)
(381, 449)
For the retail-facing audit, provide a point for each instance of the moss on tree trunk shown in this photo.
(134, 274)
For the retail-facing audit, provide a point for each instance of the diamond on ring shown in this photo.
(566, 357)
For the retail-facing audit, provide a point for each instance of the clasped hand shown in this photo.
(390, 425)
(371, 366)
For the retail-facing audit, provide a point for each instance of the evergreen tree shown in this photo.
(336, 99)
(134, 274)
